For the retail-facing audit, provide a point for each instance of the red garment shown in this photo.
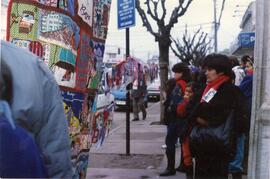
(182, 84)
(187, 157)
(215, 85)
(182, 106)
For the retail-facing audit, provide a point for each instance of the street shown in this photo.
(119, 117)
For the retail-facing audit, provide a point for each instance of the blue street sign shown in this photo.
(246, 39)
(125, 13)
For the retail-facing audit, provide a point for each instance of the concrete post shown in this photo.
(259, 149)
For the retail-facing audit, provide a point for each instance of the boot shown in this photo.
(167, 172)
(181, 167)
(171, 162)
(135, 119)
(144, 116)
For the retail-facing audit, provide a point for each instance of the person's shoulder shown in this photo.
(228, 87)
(181, 83)
(17, 55)
(8, 47)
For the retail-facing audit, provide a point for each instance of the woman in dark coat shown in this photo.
(213, 110)
(174, 112)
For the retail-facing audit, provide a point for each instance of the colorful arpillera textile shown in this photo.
(69, 36)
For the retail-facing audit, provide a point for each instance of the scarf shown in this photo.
(182, 85)
(214, 85)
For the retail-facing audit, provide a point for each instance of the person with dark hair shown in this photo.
(216, 104)
(241, 133)
(176, 109)
(246, 88)
(137, 96)
(245, 59)
(6, 90)
(237, 69)
(37, 106)
(191, 96)
(17, 160)
(182, 68)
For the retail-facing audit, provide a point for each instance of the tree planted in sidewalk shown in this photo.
(191, 49)
(162, 34)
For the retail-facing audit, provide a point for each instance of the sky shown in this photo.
(142, 43)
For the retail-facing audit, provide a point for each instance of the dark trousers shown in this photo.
(211, 166)
(171, 138)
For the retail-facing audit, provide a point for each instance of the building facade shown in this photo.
(244, 44)
(259, 145)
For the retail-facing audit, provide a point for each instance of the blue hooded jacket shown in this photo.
(38, 107)
(246, 88)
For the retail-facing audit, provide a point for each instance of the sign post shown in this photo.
(126, 19)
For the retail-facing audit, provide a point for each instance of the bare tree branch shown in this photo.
(149, 11)
(193, 48)
(163, 34)
(164, 10)
(145, 20)
(178, 12)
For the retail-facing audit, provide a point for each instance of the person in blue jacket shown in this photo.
(37, 106)
(20, 156)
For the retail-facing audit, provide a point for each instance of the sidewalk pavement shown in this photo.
(147, 158)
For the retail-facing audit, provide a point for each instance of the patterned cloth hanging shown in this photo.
(69, 36)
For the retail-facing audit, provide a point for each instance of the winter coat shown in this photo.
(246, 88)
(20, 157)
(175, 108)
(177, 102)
(140, 91)
(212, 163)
(216, 111)
(38, 107)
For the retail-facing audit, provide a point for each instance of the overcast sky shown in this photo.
(199, 12)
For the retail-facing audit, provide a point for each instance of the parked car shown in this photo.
(104, 100)
(120, 97)
(153, 90)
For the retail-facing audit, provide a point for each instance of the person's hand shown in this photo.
(186, 97)
(201, 121)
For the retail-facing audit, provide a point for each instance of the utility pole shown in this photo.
(215, 25)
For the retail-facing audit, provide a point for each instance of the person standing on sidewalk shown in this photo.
(138, 96)
(217, 102)
(176, 107)
(37, 106)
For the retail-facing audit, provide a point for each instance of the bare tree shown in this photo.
(192, 49)
(162, 36)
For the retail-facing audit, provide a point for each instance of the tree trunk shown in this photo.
(163, 65)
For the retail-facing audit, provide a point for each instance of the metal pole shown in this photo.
(215, 25)
(129, 86)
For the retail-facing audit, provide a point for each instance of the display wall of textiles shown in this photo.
(69, 36)
(127, 71)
